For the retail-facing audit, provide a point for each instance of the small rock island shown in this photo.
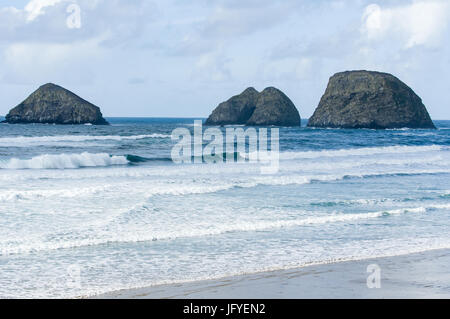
(367, 99)
(252, 108)
(52, 104)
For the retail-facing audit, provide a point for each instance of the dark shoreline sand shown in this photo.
(419, 275)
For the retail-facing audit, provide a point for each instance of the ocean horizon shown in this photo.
(113, 119)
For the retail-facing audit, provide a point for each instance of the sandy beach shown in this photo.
(419, 275)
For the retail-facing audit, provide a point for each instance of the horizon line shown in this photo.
(186, 117)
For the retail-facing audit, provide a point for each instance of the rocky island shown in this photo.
(367, 99)
(52, 104)
(270, 107)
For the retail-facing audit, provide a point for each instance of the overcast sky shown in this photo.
(180, 58)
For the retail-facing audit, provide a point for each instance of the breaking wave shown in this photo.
(65, 161)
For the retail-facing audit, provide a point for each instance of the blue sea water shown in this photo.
(92, 209)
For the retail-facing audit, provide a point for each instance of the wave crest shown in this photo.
(65, 161)
(23, 141)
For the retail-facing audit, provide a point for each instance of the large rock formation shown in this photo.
(270, 107)
(52, 104)
(365, 99)
(236, 110)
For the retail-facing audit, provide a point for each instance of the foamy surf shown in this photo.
(24, 141)
(65, 161)
(365, 151)
(124, 235)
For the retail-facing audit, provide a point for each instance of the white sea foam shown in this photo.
(360, 151)
(188, 187)
(88, 192)
(241, 175)
(189, 231)
(17, 195)
(338, 164)
(24, 141)
(65, 161)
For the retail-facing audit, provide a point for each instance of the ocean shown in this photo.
(86, 210)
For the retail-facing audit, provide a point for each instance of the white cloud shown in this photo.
(45, 21)
(35, 8)
(416, 23)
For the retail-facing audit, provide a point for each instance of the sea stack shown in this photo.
(367, 99)
(52, 104)
(270, 107)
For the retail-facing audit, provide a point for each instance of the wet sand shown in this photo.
(419, 275)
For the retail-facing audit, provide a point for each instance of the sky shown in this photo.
(177, 58)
